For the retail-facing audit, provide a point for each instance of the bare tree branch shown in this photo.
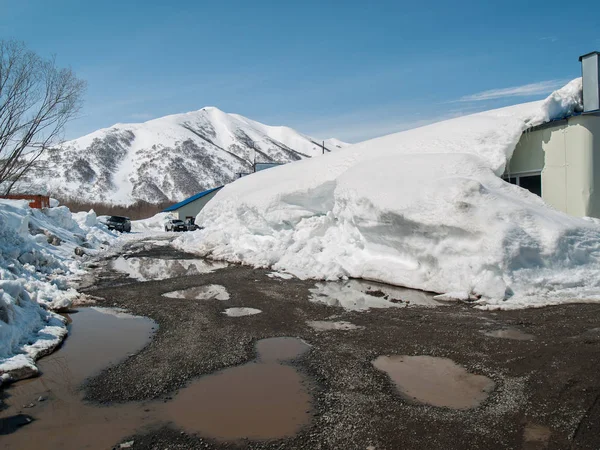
(37, 99)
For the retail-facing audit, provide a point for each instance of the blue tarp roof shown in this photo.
(190, 199)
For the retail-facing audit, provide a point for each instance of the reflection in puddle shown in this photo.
(510, 333)
(208, 292)
(360, 295)
(144, 269)
(324, 325)
(435, 381)
(239, 312)
(259, 400)
(98, 338)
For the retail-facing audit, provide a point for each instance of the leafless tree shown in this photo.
(37, 99)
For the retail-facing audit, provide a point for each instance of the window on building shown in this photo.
(532, 182)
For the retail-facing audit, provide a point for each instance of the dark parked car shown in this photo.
(119, 223)
(175, 225)
(191, 225)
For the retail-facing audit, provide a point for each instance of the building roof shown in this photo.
(176, 206)
(588, 54)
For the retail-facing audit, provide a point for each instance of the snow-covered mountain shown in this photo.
(169, 158)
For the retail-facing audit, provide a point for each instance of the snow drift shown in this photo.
(37, 255)
(424, 209)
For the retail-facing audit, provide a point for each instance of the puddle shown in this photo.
(98, 337)
(536, 437)
(361, 295)
(280, 349)
(239, 312)
(435, 381)
(510, 333)
(145, 269)
(259, 400)
(324, 325)
(264, 399)
(208, 292)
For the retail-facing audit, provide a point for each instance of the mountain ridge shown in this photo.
(168, 158)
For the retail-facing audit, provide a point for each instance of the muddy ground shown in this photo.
(546, 390)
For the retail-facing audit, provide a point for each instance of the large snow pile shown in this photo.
(424, 209)
(152, 224)
(37, 255)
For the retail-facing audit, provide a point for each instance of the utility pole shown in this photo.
(323, 147)
(253, 155)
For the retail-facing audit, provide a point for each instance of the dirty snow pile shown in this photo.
(424, 208)
(37, 255)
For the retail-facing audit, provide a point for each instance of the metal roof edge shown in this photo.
(589, 54)
(191, 199)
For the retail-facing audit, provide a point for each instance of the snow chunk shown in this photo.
(283, 276)
(562, 103)
(239, 312)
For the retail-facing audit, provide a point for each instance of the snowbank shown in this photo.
(38, 252)
(424, 209)
(152, 224)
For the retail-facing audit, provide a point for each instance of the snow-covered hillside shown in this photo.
(169, 158)
(424, 208)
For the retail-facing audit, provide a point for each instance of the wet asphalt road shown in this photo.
(547, 389)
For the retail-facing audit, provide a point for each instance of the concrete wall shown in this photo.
(568, 155)
(193, 208)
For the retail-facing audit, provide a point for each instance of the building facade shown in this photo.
(560, 160)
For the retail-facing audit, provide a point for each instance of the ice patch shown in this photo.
(239, 312)
(209, 292)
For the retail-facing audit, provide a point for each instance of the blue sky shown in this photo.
(347, 69)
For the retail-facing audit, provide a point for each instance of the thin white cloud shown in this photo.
(527, 90)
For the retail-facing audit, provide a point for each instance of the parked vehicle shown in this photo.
(175, 225)
(191, 225)
(119, 223)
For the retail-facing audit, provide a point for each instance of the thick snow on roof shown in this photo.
(424, 209)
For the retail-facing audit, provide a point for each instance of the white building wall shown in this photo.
(568, 156)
